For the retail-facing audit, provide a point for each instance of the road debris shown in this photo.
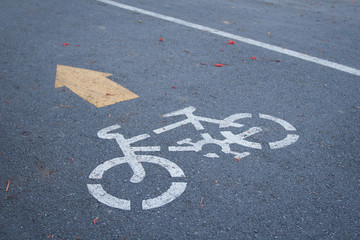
(7, 187)
(201, 201)
(274, 196)
(95, 220)
(66, 106)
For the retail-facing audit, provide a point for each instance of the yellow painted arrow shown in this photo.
(93, 86)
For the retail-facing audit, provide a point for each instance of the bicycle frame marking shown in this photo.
(177, 187)
(195, 120)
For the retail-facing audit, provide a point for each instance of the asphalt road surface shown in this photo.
(216, 120)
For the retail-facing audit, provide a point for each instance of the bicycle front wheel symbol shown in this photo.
(174, 191)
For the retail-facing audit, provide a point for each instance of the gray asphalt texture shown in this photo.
(308, 190)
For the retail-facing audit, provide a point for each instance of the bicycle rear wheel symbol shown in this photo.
(175, 190)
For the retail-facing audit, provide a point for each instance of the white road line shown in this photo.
(175, 190)
(99, 193)
(290, 139)
(285, 124)
(285, 51)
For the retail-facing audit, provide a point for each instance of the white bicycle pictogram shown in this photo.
(178, 187)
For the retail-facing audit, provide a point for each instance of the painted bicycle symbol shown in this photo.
(178, 187)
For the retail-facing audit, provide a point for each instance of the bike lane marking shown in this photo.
(92, 86)
(186, 145)
(267, 46)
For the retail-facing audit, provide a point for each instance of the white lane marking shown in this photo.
(290, 139)
(240, 138)
(285, 124)
(98, 192)
(103, 133)
(173, 169)
(229, 121)
(211, 155)
(146, 149)
(196, 120)
(274, 48)
(125, 145)
(139, 172)
(175, 190)
(207, 139)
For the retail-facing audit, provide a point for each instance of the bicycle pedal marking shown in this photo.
(178, 187)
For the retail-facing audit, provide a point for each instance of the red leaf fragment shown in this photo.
(274, 196)
(65, 44)
(253, 58)
(95, 220)
(173, 87)
(230, 42)
(6, 101)
(218, 65)
(161, 39)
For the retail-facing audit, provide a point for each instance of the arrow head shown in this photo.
(92, 86)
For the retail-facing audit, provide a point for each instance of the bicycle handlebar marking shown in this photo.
(178, 187)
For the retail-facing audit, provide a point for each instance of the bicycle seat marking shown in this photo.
(178, 187)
